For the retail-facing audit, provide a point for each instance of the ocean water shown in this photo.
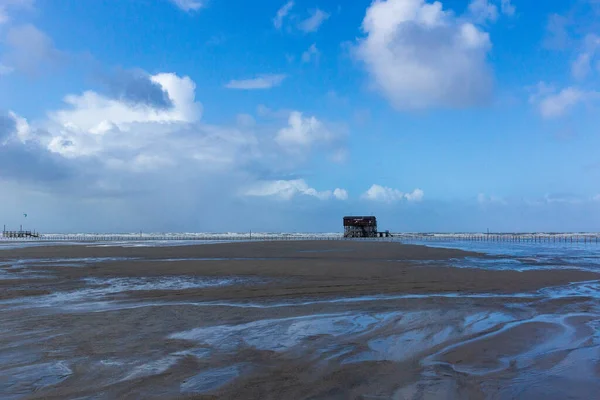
(525, 256)
(154, 239)
(158, 238)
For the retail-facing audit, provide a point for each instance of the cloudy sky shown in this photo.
(229, 115)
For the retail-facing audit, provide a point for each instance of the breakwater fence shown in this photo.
(232, 237)
(503, 237)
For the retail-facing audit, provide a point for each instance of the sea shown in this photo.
(522, 256)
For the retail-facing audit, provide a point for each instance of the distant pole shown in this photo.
(250, 234)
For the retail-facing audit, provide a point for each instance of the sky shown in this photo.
(229, 115)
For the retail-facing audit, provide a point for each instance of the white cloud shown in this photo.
(557, 105)
(266, 81)
(552, 103)
(388, 195)
(420, 56)
(314, 22)
(97, 113)
(416, 195)
(483, 10)
(124, 136)
(312, 53)
(107, 149)
(23, 130)
(508, 8)
(383, 194)
(340, 194)
(115, 147)
(287, 190)
(303, 132)
(282, 13)
(486, 10)
(582, 65)
(188, 5)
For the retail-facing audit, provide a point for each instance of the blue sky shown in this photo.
(218, 115)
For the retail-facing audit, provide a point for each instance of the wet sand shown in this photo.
(318, 320)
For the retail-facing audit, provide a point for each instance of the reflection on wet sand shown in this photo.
(321, 327)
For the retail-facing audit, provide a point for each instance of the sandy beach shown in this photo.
(292, 320)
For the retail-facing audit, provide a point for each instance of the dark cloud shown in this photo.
(136, 88)
(30, 162)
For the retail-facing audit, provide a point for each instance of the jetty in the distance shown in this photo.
(21, 234)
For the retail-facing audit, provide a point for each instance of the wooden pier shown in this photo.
(20, 234)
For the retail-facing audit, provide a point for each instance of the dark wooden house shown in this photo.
(360, 227)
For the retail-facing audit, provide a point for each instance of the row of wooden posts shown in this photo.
(519, 238)
(507, 237)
